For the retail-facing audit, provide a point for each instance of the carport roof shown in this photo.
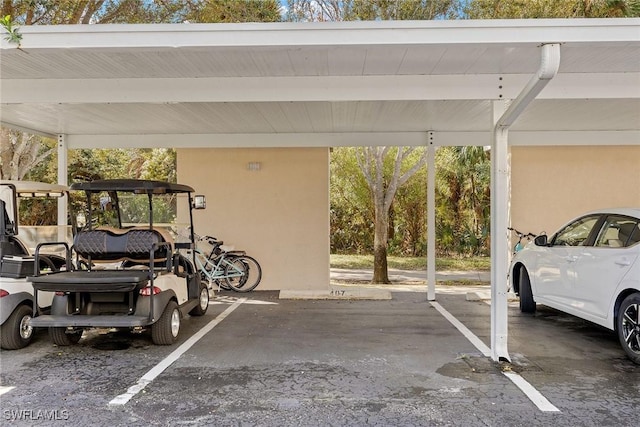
(320, 84)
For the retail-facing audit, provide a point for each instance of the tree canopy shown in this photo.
(54, 12)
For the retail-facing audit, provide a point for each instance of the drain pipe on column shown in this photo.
(500, 177)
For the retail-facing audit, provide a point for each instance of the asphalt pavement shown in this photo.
(258, 360)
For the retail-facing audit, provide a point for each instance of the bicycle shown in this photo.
(518, 246)
(229, 269)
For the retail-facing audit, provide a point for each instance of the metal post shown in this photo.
(62, 180)
(499, 247)
(431, 219)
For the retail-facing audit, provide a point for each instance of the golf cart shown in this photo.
(17, 260)
(130, 272)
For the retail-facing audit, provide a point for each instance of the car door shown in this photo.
(555, 270)
(602, 266)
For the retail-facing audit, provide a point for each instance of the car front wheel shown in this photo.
(628, 323)
(527, 304)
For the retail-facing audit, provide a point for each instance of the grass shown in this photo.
(412, 263)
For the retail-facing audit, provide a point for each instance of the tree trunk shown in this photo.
(371, 163)
(19, 153)
(380, 273)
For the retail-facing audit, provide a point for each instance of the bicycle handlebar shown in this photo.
(520, 234)
(209, 239)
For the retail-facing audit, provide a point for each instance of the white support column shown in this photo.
(500, 174)
(62, 180)
(431, 218)
(499, 247)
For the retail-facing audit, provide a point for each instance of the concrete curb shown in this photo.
(486, 295)
(336, 294)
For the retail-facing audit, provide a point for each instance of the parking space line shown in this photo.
(230, 300)
(175, 355)
(534, 395)
(463, 329)
(5, 389)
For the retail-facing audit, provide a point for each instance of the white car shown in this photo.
(590, 269)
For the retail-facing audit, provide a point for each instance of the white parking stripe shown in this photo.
(463, 329)
(231, 300)
(534, 395)
(175, 355)
(5, 389)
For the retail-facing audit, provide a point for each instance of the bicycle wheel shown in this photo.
(243, 273)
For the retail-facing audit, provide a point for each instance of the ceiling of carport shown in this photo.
(351, 82)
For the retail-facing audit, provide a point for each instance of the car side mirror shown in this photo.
(540, 240)
(199, 202)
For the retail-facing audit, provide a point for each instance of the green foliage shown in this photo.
(38, 211)
(235, 11)
(409, 218)
(462, 206)
(370, 10)
(135, 209)
(156, 163)
(351, 207)
(52, 12)
(463, 177)
(352, 211)
(412, 263)
(521, 9)
(88, 165)
(387, 10)
(13, 33)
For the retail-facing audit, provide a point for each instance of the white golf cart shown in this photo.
(130, 271)
(17, 245)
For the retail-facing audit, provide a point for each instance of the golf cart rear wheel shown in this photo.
(61, 337)
(165, 330)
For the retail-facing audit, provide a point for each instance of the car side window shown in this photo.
(576, 233)
(619, 232)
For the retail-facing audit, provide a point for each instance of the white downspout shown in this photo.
(500, 174)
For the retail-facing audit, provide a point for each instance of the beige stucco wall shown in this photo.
(279, 214)
(551, 185)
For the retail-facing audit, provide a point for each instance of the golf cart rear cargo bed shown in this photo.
(91, 281)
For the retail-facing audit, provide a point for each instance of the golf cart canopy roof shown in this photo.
(36, 189)
(132, 185)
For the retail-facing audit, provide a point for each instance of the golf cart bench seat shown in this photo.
(111, 245)
(89, 281)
